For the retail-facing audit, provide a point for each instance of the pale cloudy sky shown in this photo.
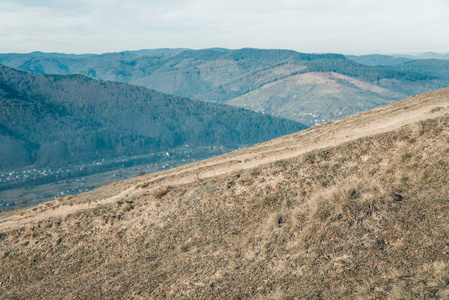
(340, 26)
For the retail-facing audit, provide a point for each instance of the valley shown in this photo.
(31, 186)
(77, 126)
(310, 89)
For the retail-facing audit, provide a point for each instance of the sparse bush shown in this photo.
(24, 201)
(277, 219)
(270, 200)
(400, 292)
(127, 207)
(323, 210)
(254, 172)
(141, 172)
(332, 202)
(436, 109)
(441, 276)
(406, 156)
(324, 182)
(184, 248)
(3, 253)
(421, 129)
(160, 192)
(404, 180)
(309, 158)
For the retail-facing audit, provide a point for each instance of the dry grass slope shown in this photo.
(353, 209)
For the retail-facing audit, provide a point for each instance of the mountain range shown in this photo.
(56, 120)
(309, 88)
(395, 59)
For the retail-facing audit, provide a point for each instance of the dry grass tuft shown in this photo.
(127, 207)
(401, 292)
(436, 109)
(3, 253)
(160, 192)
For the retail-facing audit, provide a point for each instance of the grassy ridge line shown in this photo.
(382, 119)
(364, 219)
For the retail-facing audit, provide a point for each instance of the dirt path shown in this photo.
(30, 216)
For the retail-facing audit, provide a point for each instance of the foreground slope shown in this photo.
(355, 208)
(57, 120)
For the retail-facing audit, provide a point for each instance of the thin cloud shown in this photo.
(309, 26)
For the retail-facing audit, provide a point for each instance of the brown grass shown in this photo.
(160, 192)
(366, 219)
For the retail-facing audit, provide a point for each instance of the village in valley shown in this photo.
(19, 187)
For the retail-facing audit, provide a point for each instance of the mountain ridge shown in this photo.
(80, 116)
(231, 76)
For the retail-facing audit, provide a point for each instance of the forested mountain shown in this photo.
(433, 67)
(378, 60)
(54, 119)
(432, 64)
(310, 88)
(394, 59)
(432, 55)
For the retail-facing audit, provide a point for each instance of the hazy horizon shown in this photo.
(133, 50)
(331, 26)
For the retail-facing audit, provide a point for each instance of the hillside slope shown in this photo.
(355, 208)
(240, 77)
(56, 120)
(315, 97)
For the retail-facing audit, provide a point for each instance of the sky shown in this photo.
(314, 26)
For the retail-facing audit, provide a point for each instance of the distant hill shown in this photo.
(356, 208)
(378, 60)
(54, 120)
(433, 55)
(268, 81)
(425, 55)
(438, 68)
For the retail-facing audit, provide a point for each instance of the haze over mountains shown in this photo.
(428, 55)
(309, 88)
(54, 120)
(356, 208)
(394, 59)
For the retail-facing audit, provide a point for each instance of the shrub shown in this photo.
(160, 192)
(127, 207)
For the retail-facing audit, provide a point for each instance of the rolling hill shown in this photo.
(55, 120)
(354, 208)
(433, 67)
(433, 55)
(378, 60)
(394, 59)
(251, 78)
